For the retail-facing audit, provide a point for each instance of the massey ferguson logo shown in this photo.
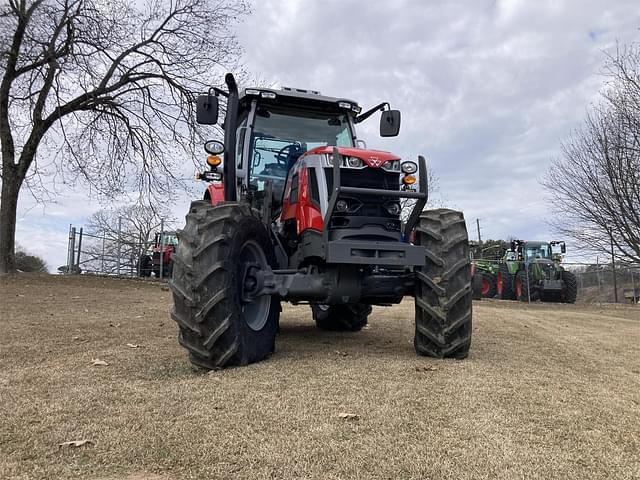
(375, 161)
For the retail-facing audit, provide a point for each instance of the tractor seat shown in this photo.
(294, 154)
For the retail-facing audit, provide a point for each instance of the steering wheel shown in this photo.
(282, 157)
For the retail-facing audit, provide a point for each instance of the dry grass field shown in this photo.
(549, 392)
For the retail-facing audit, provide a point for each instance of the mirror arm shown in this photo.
(371, 111)
(218, 91)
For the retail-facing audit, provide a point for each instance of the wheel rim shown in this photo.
(485, 286)
(256, 312)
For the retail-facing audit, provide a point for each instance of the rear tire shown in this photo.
(145, 265)
(505, 283)
(476, 285)
(350, 317)
(488, 285)
(570, 289)
(215, 325)
(524, 289)
(443, 286)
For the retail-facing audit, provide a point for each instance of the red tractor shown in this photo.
(299, 210)
(160, 258)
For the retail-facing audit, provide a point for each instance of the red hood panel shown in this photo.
(373, 158)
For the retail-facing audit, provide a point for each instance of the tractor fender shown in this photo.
(214, 193)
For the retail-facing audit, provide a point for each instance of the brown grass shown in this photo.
(548, 392)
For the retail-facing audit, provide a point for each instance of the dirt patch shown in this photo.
(549, 391)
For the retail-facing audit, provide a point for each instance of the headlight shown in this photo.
(393, 208)
(354, 162)
(409, 167)
(391, 166)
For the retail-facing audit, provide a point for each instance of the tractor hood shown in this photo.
(373, 158)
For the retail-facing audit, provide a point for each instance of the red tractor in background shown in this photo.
(160, 258)
(299, 210)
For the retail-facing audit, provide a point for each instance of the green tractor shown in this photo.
(531, 271)
(488, 273)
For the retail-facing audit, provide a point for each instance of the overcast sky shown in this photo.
(487, 90)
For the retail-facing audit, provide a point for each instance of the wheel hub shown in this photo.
(255, 310)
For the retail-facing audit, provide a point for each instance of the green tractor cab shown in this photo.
(532, 270)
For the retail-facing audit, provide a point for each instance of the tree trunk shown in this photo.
(11, 183)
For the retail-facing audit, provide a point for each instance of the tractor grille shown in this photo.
(367, 205)
(549, 271)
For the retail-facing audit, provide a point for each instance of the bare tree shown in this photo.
(595, 185)
(102, 92)
(120, 236)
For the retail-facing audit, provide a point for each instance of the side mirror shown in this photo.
(390, 123)
(214, 147)
(207, 109)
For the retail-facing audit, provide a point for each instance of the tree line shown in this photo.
(594, 186)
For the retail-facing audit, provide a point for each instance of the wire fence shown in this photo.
(119, 253)
(122, 253)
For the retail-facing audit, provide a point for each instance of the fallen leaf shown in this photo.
(99, 363)
(75, 443)
(161, 324)
(138, 316)
(133, 345)
(114, 325)
(342, 354)
(426, 368)
(20, 295)
(86, 310)
(349, 416)
(75, 338)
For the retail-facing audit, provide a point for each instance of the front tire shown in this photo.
(350, 317)
(570, 290)
(488, 285)
(524, 289)
(443, 286)
(216, 326)
(505, 283)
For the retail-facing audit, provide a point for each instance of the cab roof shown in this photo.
(296, 97)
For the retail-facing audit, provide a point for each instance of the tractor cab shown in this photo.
(285, 147)
(532, 251)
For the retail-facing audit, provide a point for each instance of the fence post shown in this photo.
(79, 250)
(104, 239)
(526, 271)
(119, 243)
(71, 248)
(161, 248)
(613, 267)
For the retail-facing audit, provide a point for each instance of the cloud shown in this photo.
(487, 91)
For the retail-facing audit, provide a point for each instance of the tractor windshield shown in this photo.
(532, 252)
(168, 238)
(280, 138)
